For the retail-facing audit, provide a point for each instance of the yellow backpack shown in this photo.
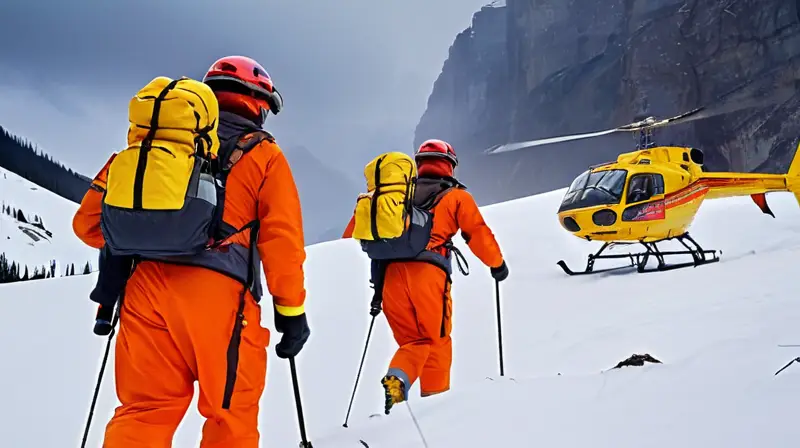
(387, 223)
(382, 212)
(161, 195)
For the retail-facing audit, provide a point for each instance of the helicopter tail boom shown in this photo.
(755, 185)
(726, 185)
(793, 175)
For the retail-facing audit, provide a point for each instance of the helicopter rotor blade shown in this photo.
(722, 105)
(508, 147)
(780, 95)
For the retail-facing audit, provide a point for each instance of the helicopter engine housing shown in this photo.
(696, 156)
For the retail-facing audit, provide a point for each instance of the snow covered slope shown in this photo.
(716, 329)
(30, 245)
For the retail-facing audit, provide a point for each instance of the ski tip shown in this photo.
(363, 443)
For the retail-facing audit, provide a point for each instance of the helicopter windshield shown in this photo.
(590, 189)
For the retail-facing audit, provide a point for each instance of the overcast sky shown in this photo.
(352, 72)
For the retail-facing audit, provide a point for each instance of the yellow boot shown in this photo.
(394, 390)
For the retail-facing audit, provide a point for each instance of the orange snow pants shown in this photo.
(175, 327)
(418, 307)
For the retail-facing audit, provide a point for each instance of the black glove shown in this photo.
(500, 273)
(377, 272)
(102, 320)
(295, 334)
(375, 309)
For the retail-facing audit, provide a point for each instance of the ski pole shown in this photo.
(787, 365)
(304, 443)
(499, 325)
(358, 375)
(416, 423)
(114, 321)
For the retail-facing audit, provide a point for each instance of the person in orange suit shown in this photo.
(86, 222)
(200, 320)
(416, 294)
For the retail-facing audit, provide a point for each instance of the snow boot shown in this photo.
(394, 391)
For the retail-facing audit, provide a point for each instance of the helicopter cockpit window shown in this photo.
(644, 186)
(598, 188)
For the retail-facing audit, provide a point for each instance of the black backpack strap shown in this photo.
(236, 147)
(461, 261)
(231, 152)
(232, 355)
(448, 184)
(438, 198)
(428, 187)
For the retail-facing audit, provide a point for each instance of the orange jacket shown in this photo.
(260, 186)
(351, 226)
(458, 210)
(86, 222)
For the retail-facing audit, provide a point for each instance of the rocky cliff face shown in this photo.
(541, 68)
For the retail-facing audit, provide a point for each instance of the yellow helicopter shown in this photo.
(652, 194)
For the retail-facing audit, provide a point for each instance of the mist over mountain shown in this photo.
(327, 195)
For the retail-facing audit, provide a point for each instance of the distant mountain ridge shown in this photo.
(326, 195)
(23, 159)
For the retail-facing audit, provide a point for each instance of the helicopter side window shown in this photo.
(642, 187)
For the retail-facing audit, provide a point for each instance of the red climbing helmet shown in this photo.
(436, 149)
(243, 86)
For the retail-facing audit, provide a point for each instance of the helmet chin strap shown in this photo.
(262, 118)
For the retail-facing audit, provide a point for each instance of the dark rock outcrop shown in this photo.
(542, 68)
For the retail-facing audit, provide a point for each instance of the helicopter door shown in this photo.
(644, 187)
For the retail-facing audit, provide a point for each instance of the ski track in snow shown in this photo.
(716, 328)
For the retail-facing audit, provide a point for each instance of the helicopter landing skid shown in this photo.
(639, 260)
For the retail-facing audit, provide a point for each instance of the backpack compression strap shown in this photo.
(373, 210)
(141, 165)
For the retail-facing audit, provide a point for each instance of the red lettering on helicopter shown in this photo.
(650, 212)
(686, 195)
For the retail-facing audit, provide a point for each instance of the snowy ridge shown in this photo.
(32, 246)
(715, 328)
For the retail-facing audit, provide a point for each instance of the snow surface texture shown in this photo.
(715, 328)
(29, 245)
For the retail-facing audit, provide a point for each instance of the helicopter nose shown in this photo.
(570, 224)
(604, 217)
